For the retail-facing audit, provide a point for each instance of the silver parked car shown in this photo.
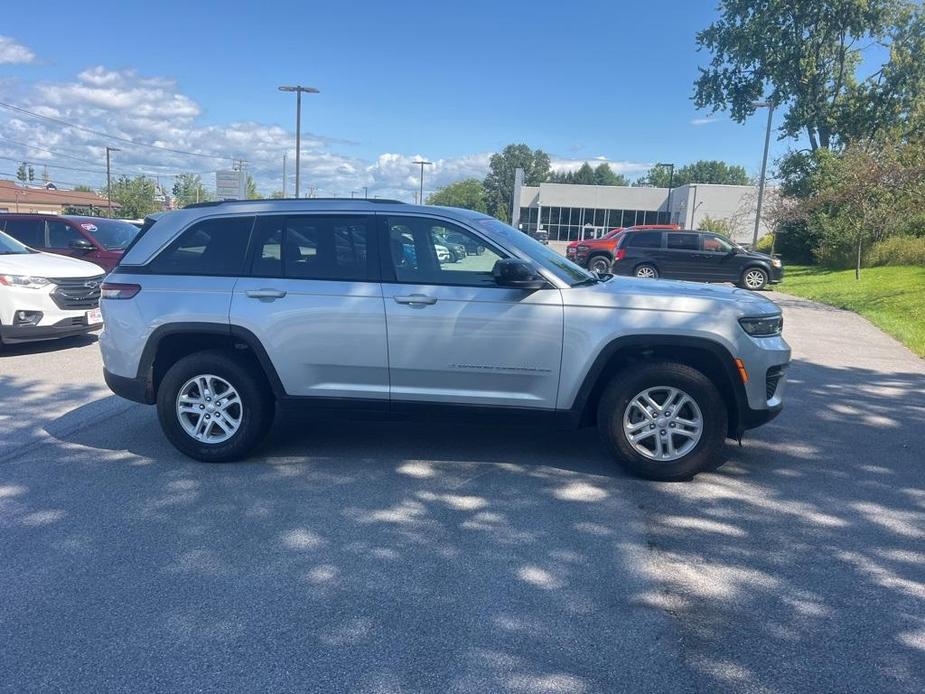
(221, 312)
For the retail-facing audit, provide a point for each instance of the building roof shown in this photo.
(10, 191)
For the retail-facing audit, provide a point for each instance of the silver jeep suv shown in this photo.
(221, 312)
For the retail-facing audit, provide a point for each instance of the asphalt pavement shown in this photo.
(377, 557)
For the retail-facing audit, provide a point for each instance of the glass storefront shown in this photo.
(566, 223)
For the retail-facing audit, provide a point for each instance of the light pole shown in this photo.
(670, 186)
(764, 164)
(298, 89)
(422, 164)
(109, 150)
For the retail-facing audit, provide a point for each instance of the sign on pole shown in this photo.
(230, 185)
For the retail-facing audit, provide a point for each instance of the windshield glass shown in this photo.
(557, 264)
(10, 246)
(112, 234)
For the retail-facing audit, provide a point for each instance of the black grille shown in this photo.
(775, 373)
(77, 293)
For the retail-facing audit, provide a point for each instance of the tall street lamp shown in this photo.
(670, 186)
(764, 164)
(299, 90)
(109, 150)
(422, 164)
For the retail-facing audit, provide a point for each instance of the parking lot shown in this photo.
(405, 557)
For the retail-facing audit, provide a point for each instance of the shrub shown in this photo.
(765, 243)
(723, 227)
(898, 250)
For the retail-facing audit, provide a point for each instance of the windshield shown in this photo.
(557, 264)
(112, 234)
(10, 246)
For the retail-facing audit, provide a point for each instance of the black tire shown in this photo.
(706, 454)
(600, 264)
(754, 272)
(257, 412)
(646, 266)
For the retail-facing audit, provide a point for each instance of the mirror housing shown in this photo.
(517, 274)
(81, 245)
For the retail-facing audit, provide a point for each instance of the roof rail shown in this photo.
(215, 203)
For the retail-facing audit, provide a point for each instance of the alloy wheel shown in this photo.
(663, 423)
(209, 409)
(646, 272)
(754, 279)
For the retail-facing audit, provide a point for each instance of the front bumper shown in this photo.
(135, 389)
(12, 334)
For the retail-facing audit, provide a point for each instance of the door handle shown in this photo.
(266, 294)
(416, 300)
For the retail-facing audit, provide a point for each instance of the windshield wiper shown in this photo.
(586, 282)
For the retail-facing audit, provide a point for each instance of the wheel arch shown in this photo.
(707, 356)
(173, 341)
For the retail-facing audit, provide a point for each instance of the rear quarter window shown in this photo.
(642, 239)
(215, 247)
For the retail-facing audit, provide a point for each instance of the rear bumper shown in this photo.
(135, 389)
(12, 334)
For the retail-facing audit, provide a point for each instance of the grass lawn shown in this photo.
(892, 298)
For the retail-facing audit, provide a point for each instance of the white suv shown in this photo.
(44, 295)
(221, 312)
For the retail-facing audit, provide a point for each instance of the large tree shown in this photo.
(468, 193)
(499, 183)
(600, 175)
(137, 196)
(188, 189)
(251, 189)
(806, 56)
(703, 171)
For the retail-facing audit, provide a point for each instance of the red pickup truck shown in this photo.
(597, 254)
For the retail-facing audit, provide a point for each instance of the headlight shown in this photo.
(762, 326)
(582, 249)
(23, 281)
(775, 262)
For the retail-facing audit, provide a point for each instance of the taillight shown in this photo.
(112, 290)
(620, 255)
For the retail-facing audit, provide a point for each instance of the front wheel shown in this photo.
(599, 264)
(754, 278)
(214, 407)
(663, 421)
(646, 271)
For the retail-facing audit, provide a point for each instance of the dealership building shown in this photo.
(568, 211)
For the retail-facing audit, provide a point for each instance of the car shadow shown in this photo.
(44, 346)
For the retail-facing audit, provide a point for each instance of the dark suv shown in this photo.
(700, 256)
(96, 240)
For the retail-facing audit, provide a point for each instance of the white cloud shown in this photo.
(704, 121)
(628, 168)
(13, 53)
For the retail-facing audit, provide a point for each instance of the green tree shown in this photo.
(702, 171)
(601, 175)
(499, 183)
(251, 192)
(805, 55)
(605, 176)
(188, 189)
(723, 227)
(84, 189)
(137, 196)
(468, 193)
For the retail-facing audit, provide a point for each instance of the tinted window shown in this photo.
(420, 253)
(716, 244)
(61, 235)
(643, 239)
(28, 231)
(683, 242)
(113, 234)
(319, 247)
(211, 247)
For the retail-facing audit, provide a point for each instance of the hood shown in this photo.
(670, 295)
(47, 265)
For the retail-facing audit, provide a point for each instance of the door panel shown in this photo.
(456, 336)
(718, 264)
(317, 305)
(680, 261)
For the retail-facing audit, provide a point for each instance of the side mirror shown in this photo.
(517, 274)
(81, 245)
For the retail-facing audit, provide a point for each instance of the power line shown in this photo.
(19, 109)
(48, 151)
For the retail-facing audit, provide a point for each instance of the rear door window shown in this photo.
(61, 235)
(28, 231)
(643, 239)
(213, 247)
(683, 242)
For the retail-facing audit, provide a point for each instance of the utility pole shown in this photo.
(298, 89)
(670, 186)
(109, 151)
(764, 165)
(422, 164)
(284, 174)
(365, 192)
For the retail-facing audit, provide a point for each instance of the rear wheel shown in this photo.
(599, 264)
(754, 278)
(663, 421)
(214, 407)
(646, 271)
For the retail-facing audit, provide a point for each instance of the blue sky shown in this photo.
(452, 82)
